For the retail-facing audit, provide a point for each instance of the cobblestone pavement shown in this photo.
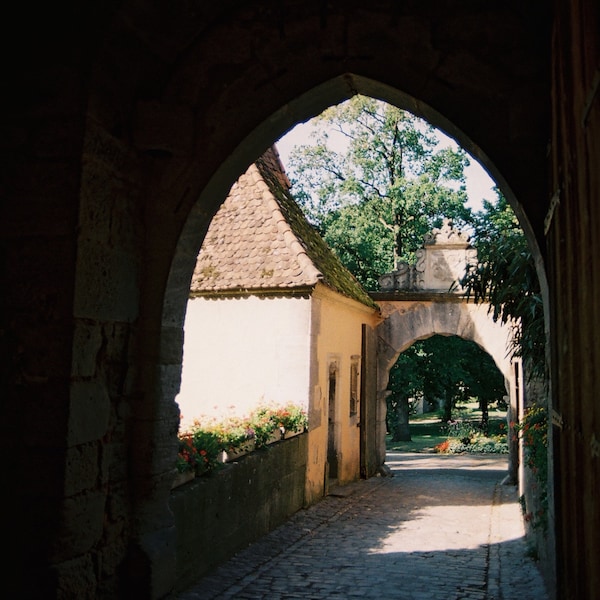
(443, 527)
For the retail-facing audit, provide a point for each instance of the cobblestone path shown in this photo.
(443, 527)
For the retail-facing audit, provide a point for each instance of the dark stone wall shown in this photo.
(218, 515)
(573, 224)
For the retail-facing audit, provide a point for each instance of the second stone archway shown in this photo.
(409, 317)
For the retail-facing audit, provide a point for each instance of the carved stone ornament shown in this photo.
(440, 263)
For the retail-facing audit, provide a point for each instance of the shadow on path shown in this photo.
(441, 527)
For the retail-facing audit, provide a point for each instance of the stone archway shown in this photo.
(427, 298)
(119, 120)
(167, 378)
(409, 320)
(139, 125)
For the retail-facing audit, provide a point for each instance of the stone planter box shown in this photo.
(287, 434)
(182, 478)
(229, 455)
(217, 516)
(274, 437)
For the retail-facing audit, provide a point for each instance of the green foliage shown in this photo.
(187, 455)
(506, 278)
(208, 446)
(464, 431)
(447, 368)
(405, 384)
(482, 445)
(290, 417)
(466, 435)
(374, 201)
(533, 429)
(266, 420)
(202, 444)
(198, 451)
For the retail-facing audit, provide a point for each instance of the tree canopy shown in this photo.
(441, 371)
(375, 189)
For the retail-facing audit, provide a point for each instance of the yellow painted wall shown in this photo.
(239, 352)
(336, 335)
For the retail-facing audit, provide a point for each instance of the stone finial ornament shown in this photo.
(447, 235)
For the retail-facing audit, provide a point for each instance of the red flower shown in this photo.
(442, 446)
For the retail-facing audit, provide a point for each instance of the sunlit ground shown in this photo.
(457, 528)
(403, 460)
(441, 517)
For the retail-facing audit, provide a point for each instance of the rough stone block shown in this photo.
(87, 339)
(89, 412)
(82, 468)
(82, 522)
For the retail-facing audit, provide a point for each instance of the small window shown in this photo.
(354, 387)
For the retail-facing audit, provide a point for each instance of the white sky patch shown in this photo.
(479, 184)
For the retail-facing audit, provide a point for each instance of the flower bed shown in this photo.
(208, 444)
(467, 436)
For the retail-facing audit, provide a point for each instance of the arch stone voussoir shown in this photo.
(407, 321)
(445, 317)
(465, 327)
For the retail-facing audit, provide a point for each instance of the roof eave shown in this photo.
(292, 292)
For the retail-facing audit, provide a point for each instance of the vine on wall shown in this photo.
(533, 430)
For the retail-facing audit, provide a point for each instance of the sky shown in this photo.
(479, 184)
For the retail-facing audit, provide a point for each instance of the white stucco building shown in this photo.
(274, 317)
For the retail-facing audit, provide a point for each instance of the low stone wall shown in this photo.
(219, 515)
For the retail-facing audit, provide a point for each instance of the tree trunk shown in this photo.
(485, 415)
(401, 426)
(447, 406)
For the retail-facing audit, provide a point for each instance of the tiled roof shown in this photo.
(260, 242)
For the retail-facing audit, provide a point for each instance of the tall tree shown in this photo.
(405, 384)
(374, 181)
(387, 184)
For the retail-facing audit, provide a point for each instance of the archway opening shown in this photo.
(282, 122)
(446, 395)
(230, 369)
(309, 401)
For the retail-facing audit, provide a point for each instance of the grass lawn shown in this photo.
(428, 430)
